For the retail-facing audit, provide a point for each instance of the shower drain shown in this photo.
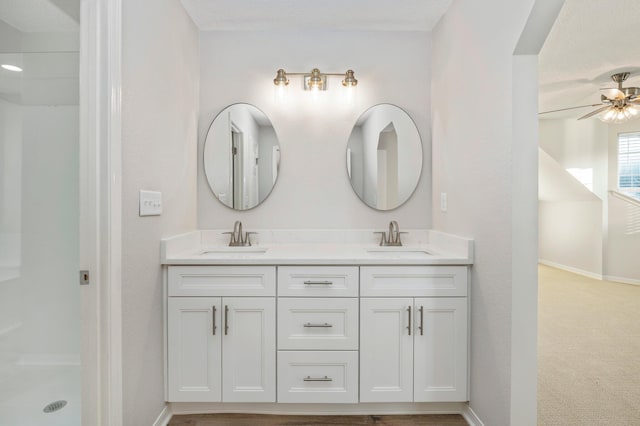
(54, 406)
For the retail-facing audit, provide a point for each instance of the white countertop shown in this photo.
(317, 247)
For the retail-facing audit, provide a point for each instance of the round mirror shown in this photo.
(241, 156)
(384, 157)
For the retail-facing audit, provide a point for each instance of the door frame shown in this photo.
(100, 211)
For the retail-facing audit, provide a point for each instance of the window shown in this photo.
(629, 164)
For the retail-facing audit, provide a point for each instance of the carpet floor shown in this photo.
(588, 351)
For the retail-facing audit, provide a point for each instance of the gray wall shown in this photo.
(478, 154)
(159, 127)
(313, 189)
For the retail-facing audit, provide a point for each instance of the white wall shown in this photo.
(50, 231)
(587, 144)
(313, 189)
(39, 303)
(10, 188)
(578, 144)
(570, 219)
(159, 133)
(476, 160)
(40, 306)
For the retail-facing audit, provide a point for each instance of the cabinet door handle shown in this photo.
(213, 315)
(421, 320)
(318, 283)
(409, 326)
(317, 379)
(325, 325)
(226, 319)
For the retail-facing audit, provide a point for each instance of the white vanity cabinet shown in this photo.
(221, 334)
(413, 333)
(318, 334)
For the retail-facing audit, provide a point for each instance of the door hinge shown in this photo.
(84, 278)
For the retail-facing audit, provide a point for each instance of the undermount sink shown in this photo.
(398, 250)
(236, 250)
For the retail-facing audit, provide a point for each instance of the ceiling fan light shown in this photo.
(608, 115)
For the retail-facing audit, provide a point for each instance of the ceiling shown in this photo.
(590, 40)
(385, 15)
(30, 16)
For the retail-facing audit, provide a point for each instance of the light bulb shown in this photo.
(608, 116)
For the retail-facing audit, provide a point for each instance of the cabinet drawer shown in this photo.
(311, 377)
(222, 281)
(318, 281)
(409, 281)
(318, 323)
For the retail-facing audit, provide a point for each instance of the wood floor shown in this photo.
(272, 420)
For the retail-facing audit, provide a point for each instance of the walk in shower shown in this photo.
(39, 213)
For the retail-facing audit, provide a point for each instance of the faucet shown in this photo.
(237, 232)
(237, 239)
(394, 232)
(393, 238)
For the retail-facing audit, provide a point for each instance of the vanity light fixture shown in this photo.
(315, 80)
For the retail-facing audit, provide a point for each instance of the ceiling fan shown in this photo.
(617, 105)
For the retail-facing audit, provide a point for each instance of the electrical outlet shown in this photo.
(150, 203)
(443, 201)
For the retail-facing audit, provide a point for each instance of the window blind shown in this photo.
(629, 163)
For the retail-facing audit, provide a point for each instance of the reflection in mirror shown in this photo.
(241, 156)
(384, 157)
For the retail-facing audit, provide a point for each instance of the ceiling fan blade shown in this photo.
(613, 94)
(592, 113)
(566, 109)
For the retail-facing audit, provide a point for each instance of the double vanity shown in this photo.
(316, 316)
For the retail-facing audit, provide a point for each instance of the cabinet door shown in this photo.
(249, 349)
(386, 350)
(194, 352)
(440, 352)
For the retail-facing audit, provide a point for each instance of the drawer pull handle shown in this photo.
(318, 283)
(226, 319)
(317, 379)
(213, 315)
(325, 325)
(421, 321)
(409, 326)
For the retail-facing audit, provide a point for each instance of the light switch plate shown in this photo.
(443, 201)
(150, 203)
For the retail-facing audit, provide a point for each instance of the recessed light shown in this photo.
(11, 68)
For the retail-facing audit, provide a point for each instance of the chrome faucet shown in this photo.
(237, 239)
(393, 238)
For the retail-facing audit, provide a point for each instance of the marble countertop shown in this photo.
(317, 247)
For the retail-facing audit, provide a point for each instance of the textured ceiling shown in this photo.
(401, 15)
(31, 16)
(590, 40)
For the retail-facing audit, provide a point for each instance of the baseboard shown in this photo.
(164, 417)
(178, 408)
(622, 280)
(578, 271)
(471, 417)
